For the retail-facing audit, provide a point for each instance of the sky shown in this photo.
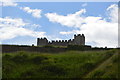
(22, 23)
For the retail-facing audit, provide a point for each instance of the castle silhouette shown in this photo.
(78, 40)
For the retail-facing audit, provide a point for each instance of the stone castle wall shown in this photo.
(78, 40)
(15, 48)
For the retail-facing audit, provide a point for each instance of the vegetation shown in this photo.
(70, 64)
(0, 65)
(108, 69)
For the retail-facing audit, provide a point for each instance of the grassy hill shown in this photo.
(70, 64)
(107, 69)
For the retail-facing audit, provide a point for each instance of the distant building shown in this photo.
(78, 40)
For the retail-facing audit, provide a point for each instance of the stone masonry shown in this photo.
(78, 40)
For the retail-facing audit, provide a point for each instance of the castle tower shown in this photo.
(42, 41)
(38, 40)
(79, 39)
(83, 39)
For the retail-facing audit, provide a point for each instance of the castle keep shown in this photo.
(78, 40)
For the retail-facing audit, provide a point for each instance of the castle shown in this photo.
(78, 40)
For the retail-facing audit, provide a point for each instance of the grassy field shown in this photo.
(70, 64)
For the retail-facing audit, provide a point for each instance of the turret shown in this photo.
(42, 41)
(75, 36)
(79, 35)
(83, 35)
(83, 39)
(38, 41)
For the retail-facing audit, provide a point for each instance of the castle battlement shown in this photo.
(78, 40)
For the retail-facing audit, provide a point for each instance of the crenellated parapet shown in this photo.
(78, 40)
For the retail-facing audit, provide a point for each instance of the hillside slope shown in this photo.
(107, 69)
(70, 64)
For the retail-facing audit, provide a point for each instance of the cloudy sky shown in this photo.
(23, 22)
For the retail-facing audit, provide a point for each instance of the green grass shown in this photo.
(70, 64)
(108, 69)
